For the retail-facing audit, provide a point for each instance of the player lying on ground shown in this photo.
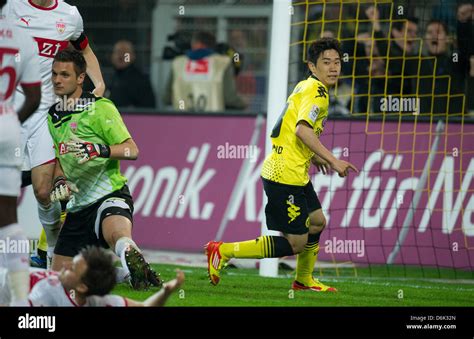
(19, 66)
(54, 25)
(86, 281)
(293, 206)
(90, 138)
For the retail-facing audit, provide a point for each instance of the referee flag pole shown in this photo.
(277, 94)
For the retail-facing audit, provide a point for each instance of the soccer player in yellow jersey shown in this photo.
(293, 206)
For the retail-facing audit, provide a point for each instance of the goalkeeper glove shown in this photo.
(62, 190)
(87, 151)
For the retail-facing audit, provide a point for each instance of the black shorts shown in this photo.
(289, 206)
(84, 227)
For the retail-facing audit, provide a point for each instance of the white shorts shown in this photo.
(10, 155)
(10, 146)
(10, 181)
(36, 142)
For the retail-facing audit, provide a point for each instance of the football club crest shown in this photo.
(60, 26)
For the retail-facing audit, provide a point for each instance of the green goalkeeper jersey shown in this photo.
(96, 120)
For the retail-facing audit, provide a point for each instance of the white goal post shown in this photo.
(277, 94)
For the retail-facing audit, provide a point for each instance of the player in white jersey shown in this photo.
(87, 281)
(18, 66)
(54, 25)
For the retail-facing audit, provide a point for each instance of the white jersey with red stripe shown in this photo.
(18, 63)
(52, 28)
(47, 290)
(18, 66)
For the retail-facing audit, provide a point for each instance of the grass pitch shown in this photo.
(374, 286)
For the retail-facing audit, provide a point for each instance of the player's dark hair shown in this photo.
(323, 44)
(2, 3)
(74, 56)
(205, 38)
(442, 23)
(100, 274)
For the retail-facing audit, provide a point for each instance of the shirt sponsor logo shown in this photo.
(49, 48)
(197, 66)
(62, 148)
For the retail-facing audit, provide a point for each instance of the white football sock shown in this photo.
(121, 246)
(49, 257)
(19, 283)
(121, 274)
(16, 258)
(50, 218)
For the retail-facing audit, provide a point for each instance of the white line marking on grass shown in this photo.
(399, 282)
(431, 280)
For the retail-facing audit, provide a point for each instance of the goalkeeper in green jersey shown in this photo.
(90, 138)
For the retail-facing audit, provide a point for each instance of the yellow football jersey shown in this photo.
(289, 161)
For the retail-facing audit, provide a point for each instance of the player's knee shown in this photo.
(317, 224)
(298, 248)
(298, 244)
(323, 223)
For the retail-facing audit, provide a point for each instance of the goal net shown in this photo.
(399, 112)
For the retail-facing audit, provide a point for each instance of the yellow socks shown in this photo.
(305, 262)
(262, 247)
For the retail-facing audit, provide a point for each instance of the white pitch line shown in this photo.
(367, 282)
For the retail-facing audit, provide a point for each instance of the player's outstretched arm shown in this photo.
(93, 71)
(159, 298)
(307, 136)
(127, 150)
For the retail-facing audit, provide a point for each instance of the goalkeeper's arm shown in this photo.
(127, 150)
(160, 298)
(85, 151)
